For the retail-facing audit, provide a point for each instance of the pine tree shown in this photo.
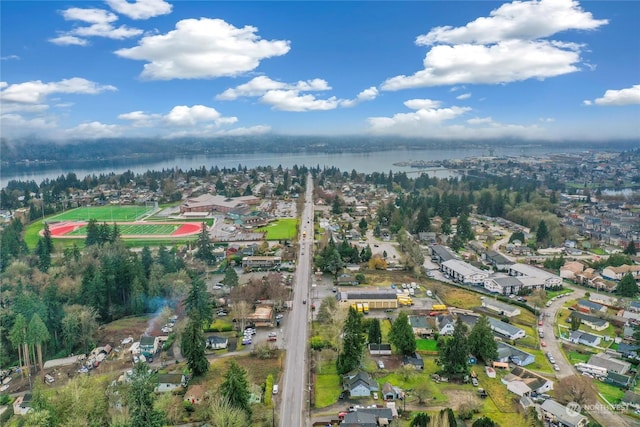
(454, 353)
(631, 248)
(204, 246)
(375, 333)
(193, 347)
(140, 399)
(230, 277)
(627, 286)
(93, 235)
(481, 342)
(542, 233)
(401, 335)
(352, 344)
(235, 388)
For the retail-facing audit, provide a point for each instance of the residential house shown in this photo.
(631, 399)
(462, 272)
(591, 321)
(359, 384)
(504, 285)
(590, 306)
(347, 280)
(500, 307)
(634, 306)
(170, 382)
(427, 236)
(502, 328)
(541, 277)
(509, 353)
(617, 273)
(421, 326)
(535, 382)
(22, 404)
(571, 270)
(390, 392)
(215, 342)
(414, 360)
(259, 262)
(380, 349)
(195, 394)
(561, 415)
(609, 363)
(440, 254)
(148, 345)
(579, 337)
(497, 260)
(445, 324)
(368, 417)
(618, 380)
(629, 350)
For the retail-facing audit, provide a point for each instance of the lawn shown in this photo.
(427, 345)
(551, 294)
(282, 229)
(575, 357)
(327, 387)
(108, 213)
(435, 396)
(457, 297)
(610, 392)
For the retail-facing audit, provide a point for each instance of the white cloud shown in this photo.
(91, 16)
(416, 122)
(292, 100)
(463, 96)
(68, 40)
(260, 85)
(9, 57)
(140, 9)
(11, 107)
(422, 104)
(366, 95)
(16, 124)
(210, 131)
(93, 130)
(505, 47)
(628, 96)
(182, 115)
(34, 92)
(107, 31)
(526, 20)
(480, 120)
(508, 61)
(203, 48)
(547, 119)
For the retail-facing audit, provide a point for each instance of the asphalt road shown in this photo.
(293, 397)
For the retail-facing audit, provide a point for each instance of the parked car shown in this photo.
(246, 341)
(543, 344)
(275, 389)
(272, 336)
(380, 364)
(474, 381)
(556, 367)
(304, 301)
(343, 395)
(279, 316)
(222, 313)
(49, 379)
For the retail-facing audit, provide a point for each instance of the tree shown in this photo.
(235, 388)
(464, 229)
(352, 343)
(78, 326)
(420, 419)
(454, 353)
(375, 333)
(542, 233)
(44, 256)
(631, 248)
(193, 347)
(517, 235)
(327, 310)
(140, 398)
(481, 342)
(627, 286)
(575, 323)
(230, 277)
(220, 413)
(401, 335)
(577, 388)
(197, 302)
(93, 234)
(37, 334)
(204, 246)
(484, 422)
(363, 225)
(18, 337)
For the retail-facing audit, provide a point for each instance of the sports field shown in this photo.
(282, 229)
(109, 213)
(129, 230)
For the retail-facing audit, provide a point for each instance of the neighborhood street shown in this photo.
(293, 397)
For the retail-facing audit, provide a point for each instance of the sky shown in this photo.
(452, 70)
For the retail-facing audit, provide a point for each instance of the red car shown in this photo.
(543, 344)
(540, 323)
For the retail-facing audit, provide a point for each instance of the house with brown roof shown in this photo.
(617, 273)
(571, 269)
(195, 394)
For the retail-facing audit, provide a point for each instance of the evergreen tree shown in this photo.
(44, 256)
(235, 388)
(464, 229)
(363, 225)
(481, 342)
(627, 286)
(575, 323)
(147, 260)
(115, 233)
(140, 399)
(484, 422)
(352, 343)
(631, 248)
(37, 334)
(93, 234)
(193, 347)
(420, 419)
(423, 222)
(454, 353)
(542, 233)
(230, 277)
(197, 302)
(46, 235)
(401, 335)
(204, 246)
(375, 333)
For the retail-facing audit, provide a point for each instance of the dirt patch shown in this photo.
(455, 398)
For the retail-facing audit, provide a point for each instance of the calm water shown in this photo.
(380, 161)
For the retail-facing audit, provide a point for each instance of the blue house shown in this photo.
(508, 353)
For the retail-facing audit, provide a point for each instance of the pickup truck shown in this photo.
(272, 336)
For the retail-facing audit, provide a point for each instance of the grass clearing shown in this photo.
(575, 357)
(109, 213)
(282, 229)
(327, 386)
(610, 392)
(427, 345)
(457, 297)
(552, 294)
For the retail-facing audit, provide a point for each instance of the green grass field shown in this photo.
(282, 229)
(135, 229)
(103, 213)
(427, 345)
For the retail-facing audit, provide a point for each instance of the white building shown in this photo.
(463, 272)
(541, 277)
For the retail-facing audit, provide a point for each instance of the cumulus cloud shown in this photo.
(526, 20)
(628, 96)
(107, 31)
(203, 48)
(366, 95)
(292, 100)
(9, 57)
(505, 47)
(101, 25)
(480, 120)
(140, 9)
(198, 118)
(93, 130)
(68, 40)
(260, 85)
(35, 91)
(209, 131)
(91, 16)
(183, 115)
(463, 96)
(18, 124)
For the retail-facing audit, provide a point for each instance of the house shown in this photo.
(440, 254)
(590, 306)
(390, 392)
(519, 388)
(579, 337)
(170, 382)
(571, 270)
(631, 399)
(618, 380)
(215, 342)
(629, 350)
(445, 324)
(261, 262)
(502, 328)
(359, 384)
(509, 353)
(591, 321)
(368, 417)
(462, 272)
(347, 280)
(540, 276)
(22, 404)
(634, 306)
(562, 415)
(507, 285)
(617, 273)
(421, 326)
(500, 307)
(195, 394)
(148, 345)
(380, 349)
(497, 260)
(609, 363)
(414, 360)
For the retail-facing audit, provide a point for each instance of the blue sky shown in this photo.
(455, 70)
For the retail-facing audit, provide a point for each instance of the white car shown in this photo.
(279, 316)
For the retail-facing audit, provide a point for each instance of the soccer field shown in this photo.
(104, 213)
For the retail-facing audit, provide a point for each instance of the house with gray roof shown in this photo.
(543, 277)
(610, 363)
(634, 306)
(508, 353)
(503, 284)
(368, 417)
(590, 306)
(562, 415)
(500, 307)
(591, 321)
(359, 383)
(497, 260)
(445, 324)
(463, 272)
(509, 331)
(618, 380)
(629, 350)
(421, 326)
(579, 337)
(440, 254)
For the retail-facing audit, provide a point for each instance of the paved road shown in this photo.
(293, 398)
